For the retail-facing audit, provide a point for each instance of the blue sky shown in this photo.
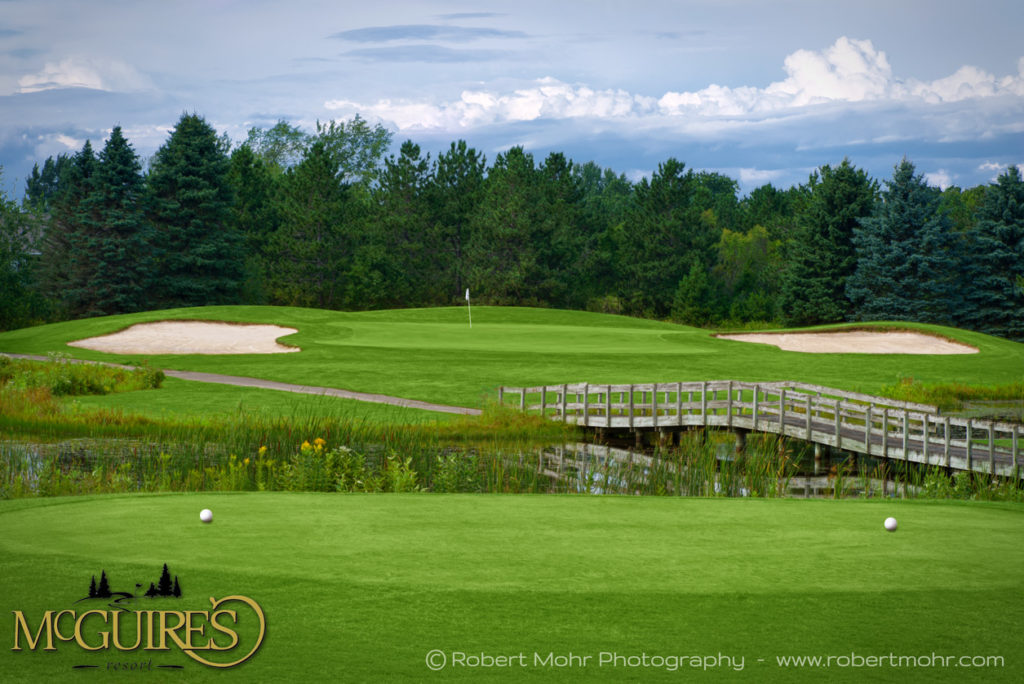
(761, 91)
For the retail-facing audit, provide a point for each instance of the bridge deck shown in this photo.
(845, 420)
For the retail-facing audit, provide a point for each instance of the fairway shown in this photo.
(433, 354)
(366, 586)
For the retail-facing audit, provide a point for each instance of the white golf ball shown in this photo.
(206, 515)
(890, 524)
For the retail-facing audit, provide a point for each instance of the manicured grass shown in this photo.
(184, 399)
(432, 354)
(362, 587)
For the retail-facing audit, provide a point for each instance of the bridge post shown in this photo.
(885, 433)
(782, 412)
(741, 441)
(1014, 449)
(728, 405)
(991, 450)
(970, 447)
(608, 406)
(704, 402)
(631, 407)
(945, 446)
(924, 438)
(679, 404)
(544, 401)
(808, 425)
(906, 435)
(654, 406)
(586, 404)
(756, 390)
(565, 390)
(867, 430)
(501, 395)
(522, 400)
(838, 419)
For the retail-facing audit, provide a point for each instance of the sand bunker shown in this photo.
(191, 337)
(857, 342)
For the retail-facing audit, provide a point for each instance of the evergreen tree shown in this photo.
(254, 216)
(908, 268)
(103, 591)
(198, 248)
(402, 227)
(151, 592)
(164, 586)
(667, 232)
(454, 195)
(42, 186)
(995, 261)
(604, 201)
(176, 592)
(66, 262)
(19, 300)
(508, 233)
(311, 247)
(92, 587)
(116, 237)
(821, 255)
(692, 301)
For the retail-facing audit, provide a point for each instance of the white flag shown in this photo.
(467, 294)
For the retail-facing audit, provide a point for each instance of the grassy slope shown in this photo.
(181, 399)
(362, 587)
(432, 354)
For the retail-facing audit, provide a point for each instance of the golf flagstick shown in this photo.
(469, 308)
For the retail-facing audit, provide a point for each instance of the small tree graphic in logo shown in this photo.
(164, 587)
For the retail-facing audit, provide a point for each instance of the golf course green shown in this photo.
(433, 354)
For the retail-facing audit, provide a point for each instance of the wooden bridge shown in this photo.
(846, 421)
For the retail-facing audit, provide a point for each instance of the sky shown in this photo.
(763, 91)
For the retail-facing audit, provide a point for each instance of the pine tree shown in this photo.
(92, 587)
(402, 221)
(164, 587)
(198, 249)
(65, 260)
(458, 180)
(254, 216)
(103, 591)
(312, 246)
(908, 268)
(995, 261)
(116, 237)
(505, 265)
(151, 592)
(822, 256)
(176, 592)
(667, 232)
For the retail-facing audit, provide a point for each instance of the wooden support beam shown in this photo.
(807, 425)
(945, 440)
(757, 390)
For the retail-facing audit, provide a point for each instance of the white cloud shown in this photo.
(94, 74)
(759, 176)
(940, 179)
(849, 71)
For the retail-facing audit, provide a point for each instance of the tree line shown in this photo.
(329, 219)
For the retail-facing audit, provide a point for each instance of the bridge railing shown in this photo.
(845, 420)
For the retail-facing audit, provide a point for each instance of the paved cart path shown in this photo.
(259, 383)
